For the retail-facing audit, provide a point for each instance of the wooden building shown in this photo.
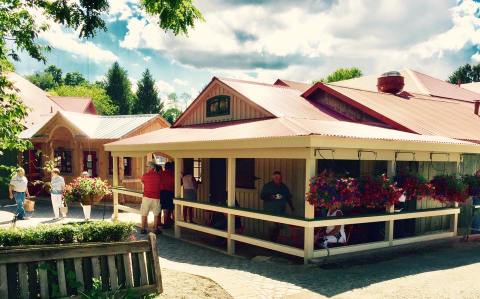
(236, 133)
(74, 142)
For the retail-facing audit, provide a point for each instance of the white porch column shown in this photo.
(231, 204)
(115, 185)
(389, 225)
(310, 171)
(178, 194)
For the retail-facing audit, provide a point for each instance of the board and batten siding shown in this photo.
(293, 171)
(240, 107)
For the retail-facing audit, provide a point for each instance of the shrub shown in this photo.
(79, 232)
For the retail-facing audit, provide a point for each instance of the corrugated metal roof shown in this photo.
(474, 86)
(293, 84)
(422, 114)
(98, 126)
(73, 104)
(277, 127)
(279, 100)
(417, 83)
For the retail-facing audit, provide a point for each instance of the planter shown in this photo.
(87, 210)
(29, 205)
(90, 200)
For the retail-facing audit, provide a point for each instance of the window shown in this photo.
(245, 173)
(218, 106)
(193, 166)
(127, 166)
(63, 160)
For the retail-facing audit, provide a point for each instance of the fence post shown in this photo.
(156, 262)
(308, 239)
(115, 185)
(178, 194)
(231, 169)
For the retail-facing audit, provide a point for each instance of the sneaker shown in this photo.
(143, 231)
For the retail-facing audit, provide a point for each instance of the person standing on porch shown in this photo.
(151, 181)
(276, 195)
(18, 190)
(190, 186)
(57, 187)
(167, 194)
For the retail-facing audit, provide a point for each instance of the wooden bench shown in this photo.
(65, 271)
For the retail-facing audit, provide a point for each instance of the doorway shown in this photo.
(90, 163)
(218, 181)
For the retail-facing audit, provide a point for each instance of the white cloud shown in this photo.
(146, 58)
(180, 82)
(164, 87)
(122, 9)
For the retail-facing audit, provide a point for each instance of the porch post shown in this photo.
(231, 204)
(121, 177)
(178, 194)
(389, 225)
(115, 185)
(310, 171)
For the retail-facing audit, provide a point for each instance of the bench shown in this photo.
(67, 271)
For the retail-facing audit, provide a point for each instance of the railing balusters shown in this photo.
(112, 272)
(79, 274)
(43, 277)
(62, 283)
(3, 281)
(143, 269)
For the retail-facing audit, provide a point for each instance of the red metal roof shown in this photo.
(277, 127)
(75, 104)
(293, 84)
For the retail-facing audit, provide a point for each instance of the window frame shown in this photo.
(60, 156)
(217, 100)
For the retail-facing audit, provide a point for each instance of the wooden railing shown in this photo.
(118, 207)
(388, 218)
(66, 271)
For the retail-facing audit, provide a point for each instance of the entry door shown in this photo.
(218, 181)
(90, 163)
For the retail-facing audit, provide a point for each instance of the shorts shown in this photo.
(166, 200)
(150, 204)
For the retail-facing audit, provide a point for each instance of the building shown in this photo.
(237, 132)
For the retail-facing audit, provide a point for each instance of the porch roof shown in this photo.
(272, 128)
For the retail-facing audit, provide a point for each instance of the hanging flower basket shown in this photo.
(414, 186)
(378, 192)
(449, 189)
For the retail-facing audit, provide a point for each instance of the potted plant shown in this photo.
(378, 192)
(328, 191)
(473, 187)
(449, 189)
(87, 191)
(414, 186)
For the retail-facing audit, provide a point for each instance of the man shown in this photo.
(18, 190)
(58, 186)
(276, 195)
(151, 198)
(167, 194)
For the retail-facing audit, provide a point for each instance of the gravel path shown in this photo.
(191, 271)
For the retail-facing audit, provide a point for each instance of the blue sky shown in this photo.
(265, 40)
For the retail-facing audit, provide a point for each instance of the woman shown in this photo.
(333, 234)
(58, 186)
(18, 190)
(190, 186)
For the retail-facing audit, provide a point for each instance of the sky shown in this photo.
(264, 40)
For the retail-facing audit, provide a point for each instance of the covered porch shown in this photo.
(232, 173)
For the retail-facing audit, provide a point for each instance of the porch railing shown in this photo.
(311, 224)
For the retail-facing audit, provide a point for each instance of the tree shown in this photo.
(74, 78)
(341, 74)
(185, 97)
(465, 74)
(20, 27)
(97, 93)
(119, 88)
(56, 73)
(147, 100)
(173, 98)
(44, 80)
(172, 114)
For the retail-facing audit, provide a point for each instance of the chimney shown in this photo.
(390, 82)
(477, 107)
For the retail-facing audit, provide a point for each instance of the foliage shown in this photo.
(473, 184)
(342, 74)
(56, 73)
(97, 292)
(328, 191)
(74, 78)
(97, 93)
(414, 185)
(77, 232)
(172, 114)
(118, 88)
(465, 74)
(449, 188)
(147, 100)
(43, 80)
(378, 192)
(86, 189)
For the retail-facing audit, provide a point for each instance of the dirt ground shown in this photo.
(183, 285)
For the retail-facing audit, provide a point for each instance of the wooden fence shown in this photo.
(67, 271)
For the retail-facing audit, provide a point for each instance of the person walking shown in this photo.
(58, 186)
(18, 190)
(151, 198)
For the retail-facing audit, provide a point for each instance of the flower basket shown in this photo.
(87, 191)
(378, 192)
(449, 189)
(414, 186)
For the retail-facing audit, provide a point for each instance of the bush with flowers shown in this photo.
(86, 190)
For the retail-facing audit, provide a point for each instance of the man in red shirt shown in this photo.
(167, 194)
(151, 198)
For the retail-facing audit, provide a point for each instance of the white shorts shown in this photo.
(150, 204)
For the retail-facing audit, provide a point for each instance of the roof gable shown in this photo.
(293, 84)
(75, 104)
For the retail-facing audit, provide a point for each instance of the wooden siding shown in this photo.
(240, 107)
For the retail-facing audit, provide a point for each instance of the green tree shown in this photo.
(44, 80)
(171, 114)
(56, 73)
(465, 74)
(74, 78)
(173, 98)
(119, 88)
(147, 100)
(341, 74)
(20, 27)
(97, 93)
